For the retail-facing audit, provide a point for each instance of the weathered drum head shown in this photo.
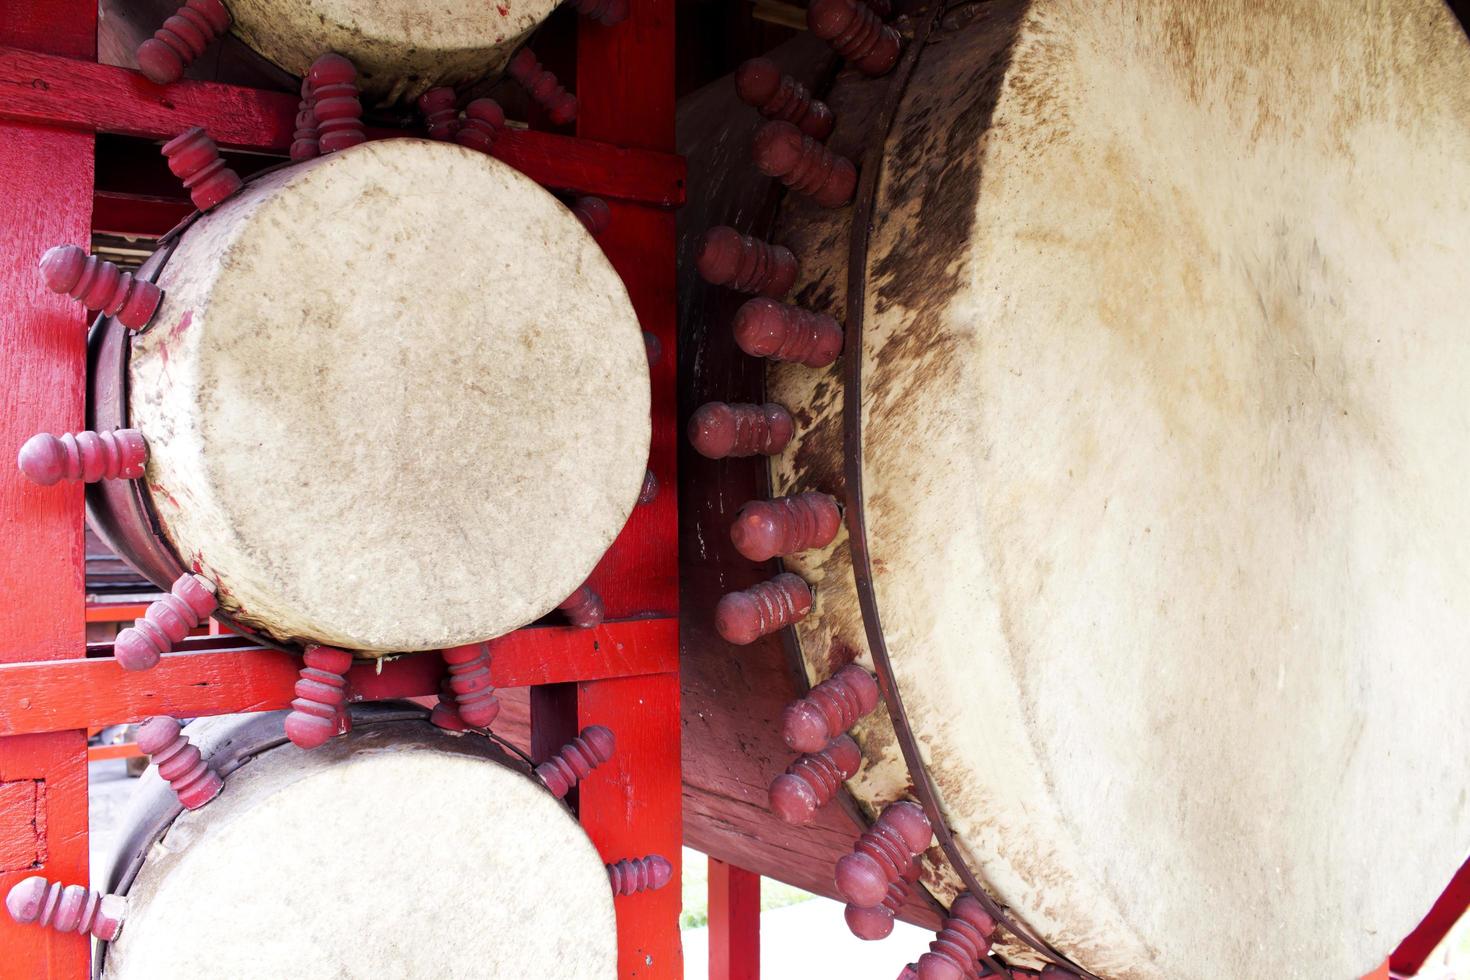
(396, 398)
(394, 852)
(1165, 435)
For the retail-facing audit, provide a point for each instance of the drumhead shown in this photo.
(396, 398)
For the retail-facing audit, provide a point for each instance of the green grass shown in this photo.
(695, 914)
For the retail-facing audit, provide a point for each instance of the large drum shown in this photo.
(1150, 438)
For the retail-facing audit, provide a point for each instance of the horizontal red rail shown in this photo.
(121, 750)
(41, 88)
(219, 675)
(115, 612)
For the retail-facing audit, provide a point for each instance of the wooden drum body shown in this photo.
(1150, 434)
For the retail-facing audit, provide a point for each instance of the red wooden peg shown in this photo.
(744, 617)
(605, 12)
(336, 104)
(776, 95)
(746, 264)
(593, 212)
(65, 908)
(87, 456)
(483, 121)
(803, 164)
(764, 529)
(883, 853)
(781, 332)
(469, 679)
(856, 32)
(650, 488)
(812, 781)
(441, 117)
(877, 922)
(162, 739)
(168, 620)
(446, 713)
(910, 971)
(720, 429)
(963, 938)
(576, 760)
(182, 38)
(99, 285)
(583, 608)
(829, 709)
(542, 86)
(633, 875)
(194, 158)
(319, 710)
(304, 145)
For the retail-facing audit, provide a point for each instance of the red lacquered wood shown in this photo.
(100, 98)
(882, 854)
(728, 258)
(181, 39)
(100, 285)
(136, 215)
(583, 608)
(734, 922)
(963, 938)
(856, 32)
(168, 620)
(718, 430)
(781, 332)
(162, 739)
(469, 680)
(801, 163)
(86, 456)
(577, 759)
(441, 115)
(541, 85)
(765, 529)
(876, 922)
(318, 711)
(195, 159)
(829, 709)
(811, 782)
(115, 612)
(605, 12)
(483, 123)
(746, 616)
(335, 102)
(593, 212)
(646, 874)
(65, 908)
(445, 713)
(1448, 910)
(776, 95)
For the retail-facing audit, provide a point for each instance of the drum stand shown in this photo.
(54, 686)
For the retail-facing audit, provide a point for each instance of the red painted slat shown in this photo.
(136, 215)
(734, 922)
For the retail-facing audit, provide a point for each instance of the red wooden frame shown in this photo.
(54, 98)
(734, 922)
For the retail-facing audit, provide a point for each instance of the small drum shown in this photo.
(1150, 434)
(392, 851)
(395, 398)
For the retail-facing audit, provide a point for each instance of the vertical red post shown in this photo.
(734, 922)
(43, 778)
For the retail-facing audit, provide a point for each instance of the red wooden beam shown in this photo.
(136, 215)
(1409, 958)
(42, 88)
(56, 695)
(115, 612)
(734, 922)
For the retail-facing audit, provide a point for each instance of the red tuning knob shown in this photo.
(883, 853)
(189, 602)
(194, 158)
(829, 709)
(334, 100)
(542, 86)
(909, 972)
(776, 95)
(69, 908)
(576, 760)
(744, 617)
(304, 145)
(855, 31)
(593, 212)
(606, 12)
(87, 456)
(441, 118)
(877, 922)
(811, 782)
(804, 165)
(766, 328)
(469, 679)
(162, 739)
(320, 708)
(720, 429)
(765, 529)
(633, 875)
(483, 121)
(446, 713)
(728, 258)
(650, 488)
(583, 608)
(99, 285)
(181, 39)
(963, 938)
